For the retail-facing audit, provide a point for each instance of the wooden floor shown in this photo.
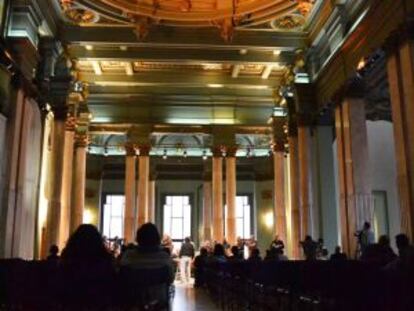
(189, 299)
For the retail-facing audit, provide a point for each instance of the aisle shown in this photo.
(189, 299)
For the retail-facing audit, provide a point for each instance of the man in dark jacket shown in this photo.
(186, 256)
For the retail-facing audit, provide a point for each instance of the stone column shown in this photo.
(231, 195)
(294, 194)
(129, 212)
(304, 154)
(81, 142)
(67, 181)
(151, 201)
(400, 67)
(143, 184)
(207, 210)
(279, 212)
(217, 185)
(55, 203)
(353, 170)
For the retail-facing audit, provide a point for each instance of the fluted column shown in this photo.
(231, 233)
(279, 192)
(400, 67)
(55, 203)
(217, 185)
(129, 212)
(353, 170)
(81, 142)
(294, 195)
(67, 175)
(151, 201)
(207, 212)
(143, 184)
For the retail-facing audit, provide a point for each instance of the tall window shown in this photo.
(243, 220)
(177, 217)
(113, 216)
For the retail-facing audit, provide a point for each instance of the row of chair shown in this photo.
(42, 285)
(304, 286)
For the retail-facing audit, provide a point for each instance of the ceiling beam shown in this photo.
(178, 55)
(161, 36)
(178, 78)
(121, 129)
(122, 92)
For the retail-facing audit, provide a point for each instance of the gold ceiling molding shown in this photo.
(226, 15)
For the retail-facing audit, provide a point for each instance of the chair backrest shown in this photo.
(142, 287)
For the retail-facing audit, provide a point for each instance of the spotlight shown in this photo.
(106, 151)
(165, 156)
(205, 155)
(185, 153)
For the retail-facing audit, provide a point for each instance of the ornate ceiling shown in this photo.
(226, 15)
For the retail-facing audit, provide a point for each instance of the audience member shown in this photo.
(53, 253)
(240, 246)
(338, 255)
(186, 256)
(218, 253)
(148, 254)
(200, 263)
(235, 254)
(309, 248)
(277, 244)
(254, 255)
(167, 244)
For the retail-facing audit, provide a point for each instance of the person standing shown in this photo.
(366, 237)
(186, 256)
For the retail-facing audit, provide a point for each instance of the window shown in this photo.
(243, 221)
(177, 217)
(113, 216)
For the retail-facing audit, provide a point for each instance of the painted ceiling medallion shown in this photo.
(289, 22)
(78, 14)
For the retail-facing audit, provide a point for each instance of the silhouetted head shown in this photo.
(255, 252)
(234, 250)
(308, 238)
(218, 250)
(203, 251)
(148, 235)
(187, 240)
(402, 241)
(85, 243)
(384, 240)
(338, 250)
(367, 225)
(54, 250)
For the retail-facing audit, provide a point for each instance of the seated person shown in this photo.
(310, 248)
(87, 269)
(235, 254)
(148, 255)
(338, 255)
(200, 262)
(218, 253)
(53, 253)
(255, 255)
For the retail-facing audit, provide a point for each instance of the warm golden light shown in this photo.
(268, 220)
(87, 216)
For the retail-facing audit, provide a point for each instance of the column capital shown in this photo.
(231, 151)
(143, 150)
(70, 123)
(81, 140)
(130, 149)
(353, 88)
(402, 34)
(218, 151)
